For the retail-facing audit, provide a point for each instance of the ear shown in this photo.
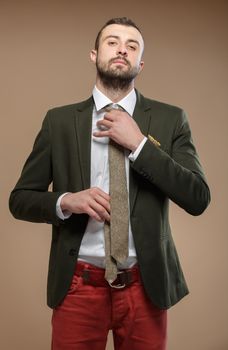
(93, 56)
(141, 65)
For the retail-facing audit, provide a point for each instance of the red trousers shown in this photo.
(90, 310)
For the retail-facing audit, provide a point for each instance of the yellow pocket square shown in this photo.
(155, 142)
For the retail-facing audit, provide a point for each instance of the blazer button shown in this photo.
(72, 252)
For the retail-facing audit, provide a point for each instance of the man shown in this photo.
(90, 289)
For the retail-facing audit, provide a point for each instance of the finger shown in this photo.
(92, 213)
(103, 202)
(100, 202)
(102, 193)
(103, 133)
(109, 116)
(100, 211)
(115, 114)
(104, 122)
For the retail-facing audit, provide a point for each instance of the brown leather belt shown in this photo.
(95, 276)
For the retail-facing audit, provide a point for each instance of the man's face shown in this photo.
(119, 53)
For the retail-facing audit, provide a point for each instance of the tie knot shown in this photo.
(111, 106)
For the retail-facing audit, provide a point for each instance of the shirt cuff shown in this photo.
(62, 214)
(133, 155)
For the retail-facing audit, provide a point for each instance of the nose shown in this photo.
(122, 50)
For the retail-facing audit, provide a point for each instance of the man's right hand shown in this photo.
(94, 202)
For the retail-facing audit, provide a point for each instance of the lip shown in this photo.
(120, 62)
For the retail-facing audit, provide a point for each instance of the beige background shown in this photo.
(45, 62)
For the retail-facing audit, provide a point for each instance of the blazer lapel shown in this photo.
(83, 126)
(142, 116)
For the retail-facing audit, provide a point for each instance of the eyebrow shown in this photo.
(117, 37)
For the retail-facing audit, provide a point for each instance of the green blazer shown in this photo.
(166, 169)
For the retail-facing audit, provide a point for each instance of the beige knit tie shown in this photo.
(116, 232)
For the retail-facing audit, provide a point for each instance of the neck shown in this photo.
(114, 95)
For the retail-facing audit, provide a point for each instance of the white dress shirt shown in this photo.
(92, 249)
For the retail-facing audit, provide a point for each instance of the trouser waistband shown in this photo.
(96, 276)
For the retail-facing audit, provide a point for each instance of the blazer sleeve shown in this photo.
(31, 200)
(177, 173)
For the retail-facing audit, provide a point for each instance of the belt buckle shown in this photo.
(118, 286)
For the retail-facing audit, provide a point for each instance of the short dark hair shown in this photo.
(119, 20)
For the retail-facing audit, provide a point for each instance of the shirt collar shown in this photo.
(127, 103)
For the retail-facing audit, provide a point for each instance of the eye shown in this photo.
(112, 43)
(132, 47)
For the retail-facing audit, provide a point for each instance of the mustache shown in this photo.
(120, 58)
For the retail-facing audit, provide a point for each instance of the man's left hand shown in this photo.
(120, 127)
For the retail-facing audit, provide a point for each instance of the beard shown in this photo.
(116, 78)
